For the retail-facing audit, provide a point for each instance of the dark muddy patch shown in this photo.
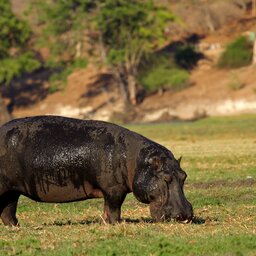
(223, 183)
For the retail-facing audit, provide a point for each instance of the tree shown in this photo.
(118, 32)
(129, 31)
(62, 27)
(15, 59)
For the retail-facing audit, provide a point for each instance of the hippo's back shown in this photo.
(54, 130)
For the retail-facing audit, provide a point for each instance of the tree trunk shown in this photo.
(122, 86)
(78, 50)
(132, 88)
(254, 53)
(253, 7)
(4, 114)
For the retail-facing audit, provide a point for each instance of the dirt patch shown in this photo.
(249, 182)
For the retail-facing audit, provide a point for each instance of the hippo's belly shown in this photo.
(54, 193)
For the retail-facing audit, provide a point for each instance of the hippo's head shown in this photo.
(158, 181)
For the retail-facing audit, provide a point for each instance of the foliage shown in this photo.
(163, 78)
(14, 35)
(62, 26)
(130, 29)
(128, 32)
(121, 33)
(14, 66)
(63, 30)
(13, 31)
(59, 78)
(160, 72)
(237, 54)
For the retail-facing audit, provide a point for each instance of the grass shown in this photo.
(219, 156)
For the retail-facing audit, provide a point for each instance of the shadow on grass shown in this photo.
(196, 221)
(73, 222)
(134, 221)
(96, 221)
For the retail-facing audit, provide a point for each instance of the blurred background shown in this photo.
(127, 61)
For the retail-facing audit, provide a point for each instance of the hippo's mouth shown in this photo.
(160, 214)
(171, 206)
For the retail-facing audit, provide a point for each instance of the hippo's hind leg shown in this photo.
(112, 207)
(8, 206)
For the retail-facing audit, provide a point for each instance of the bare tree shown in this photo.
(254, 53)
(253, 7)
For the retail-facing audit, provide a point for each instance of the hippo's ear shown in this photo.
(155, 162)
(179, 160)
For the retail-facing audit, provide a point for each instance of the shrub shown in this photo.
(58, 80)
(161, 77)
(13, 67)
(237, 54)
(162, 73)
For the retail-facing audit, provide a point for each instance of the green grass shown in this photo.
(219, 156)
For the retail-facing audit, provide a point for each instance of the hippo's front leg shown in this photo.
(112, 207)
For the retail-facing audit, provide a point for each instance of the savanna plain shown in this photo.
(219, 156)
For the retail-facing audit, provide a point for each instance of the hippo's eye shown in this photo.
(167, 177)
(156, 163)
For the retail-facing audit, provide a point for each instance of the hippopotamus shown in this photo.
(57, 159)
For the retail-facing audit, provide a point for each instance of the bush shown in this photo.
(164, 78)
(13, 67)
(162, 73)
(58, 80)
(237, 54)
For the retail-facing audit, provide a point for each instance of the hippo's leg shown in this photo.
(112, 208)
(8, 206)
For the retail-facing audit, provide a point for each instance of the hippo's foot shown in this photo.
(110, 216)
(112, 209)
(8, 206)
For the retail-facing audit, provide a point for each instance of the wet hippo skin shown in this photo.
(57, 159)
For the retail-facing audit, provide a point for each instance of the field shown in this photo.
(219, 156)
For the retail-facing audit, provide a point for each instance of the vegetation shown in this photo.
(219, 157)
(237, 54)
(15, 58)
(118, 33)
(160, 72)
(58, 80)
(129, 31)
(63, 27)
(163, 78)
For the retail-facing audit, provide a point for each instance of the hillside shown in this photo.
(88, 96)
